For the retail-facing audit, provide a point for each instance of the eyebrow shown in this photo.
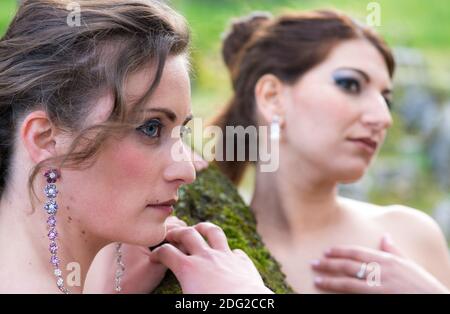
(170, 114)
(361, 72)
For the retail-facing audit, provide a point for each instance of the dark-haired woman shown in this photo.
(323, 84)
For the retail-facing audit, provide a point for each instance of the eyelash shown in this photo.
(346, 83)
(184, 131)
(388, 103)
(151, 123)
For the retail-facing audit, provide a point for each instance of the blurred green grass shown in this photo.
(412, 23)
(7, 11)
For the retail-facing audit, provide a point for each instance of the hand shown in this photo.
(398, 274)
(141, 275)
(208, 266)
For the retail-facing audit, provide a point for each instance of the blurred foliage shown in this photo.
(7, 10)
(403, 23)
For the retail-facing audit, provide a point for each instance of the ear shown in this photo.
(268, 94)
(38, 135)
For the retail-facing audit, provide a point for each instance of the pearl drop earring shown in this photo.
(275, 128)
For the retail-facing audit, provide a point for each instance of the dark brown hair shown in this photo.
(48, 64)
(287, 46)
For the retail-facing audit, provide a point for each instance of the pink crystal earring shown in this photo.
(51, 207)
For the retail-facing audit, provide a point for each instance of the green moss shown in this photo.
(214, 198)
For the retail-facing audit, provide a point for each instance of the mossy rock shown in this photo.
(212, 197)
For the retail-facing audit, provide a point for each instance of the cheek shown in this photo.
(117, 185)
(109, 198)
(318, 120)
(305, 118)
(321, 113)
(128, 162)
(131, 169)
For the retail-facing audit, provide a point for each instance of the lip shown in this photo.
(366, 143)
(166, 207)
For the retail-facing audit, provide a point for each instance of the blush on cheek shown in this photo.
(127, 161)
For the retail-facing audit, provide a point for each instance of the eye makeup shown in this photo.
(152, 128)
(352, 81)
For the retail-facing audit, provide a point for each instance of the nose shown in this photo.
(377, 114)
(180, 169)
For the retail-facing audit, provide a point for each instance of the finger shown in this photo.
(241, 253)
(357, 253)
(171, 222)
(189, 237)
(388, 245)
(174, 222)
(342, 284)
(214, 235)
(181, 248)
(338, 266)
(168, 255)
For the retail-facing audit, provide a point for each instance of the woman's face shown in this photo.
(337, 114)
(111, 199)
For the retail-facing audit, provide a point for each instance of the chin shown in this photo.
(157, 238)
(351, 174)
(152, 236)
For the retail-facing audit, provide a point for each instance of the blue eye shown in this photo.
(348, 84)
(151, 128)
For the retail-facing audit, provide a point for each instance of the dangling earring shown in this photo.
(51, 207)
(271, 163)
(275, 128)
(120, 268)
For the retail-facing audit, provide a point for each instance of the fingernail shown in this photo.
(388, 238)
(327, 251)
(314, 262)
(318, 280)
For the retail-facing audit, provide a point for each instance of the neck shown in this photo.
(25, 244)
(289, 204)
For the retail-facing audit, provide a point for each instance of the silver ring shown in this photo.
(361, 274)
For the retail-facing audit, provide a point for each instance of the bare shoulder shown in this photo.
(410, 219)
(422, 238)
(363, 209)
(414, 232)
(399, 220)
(416, 223)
